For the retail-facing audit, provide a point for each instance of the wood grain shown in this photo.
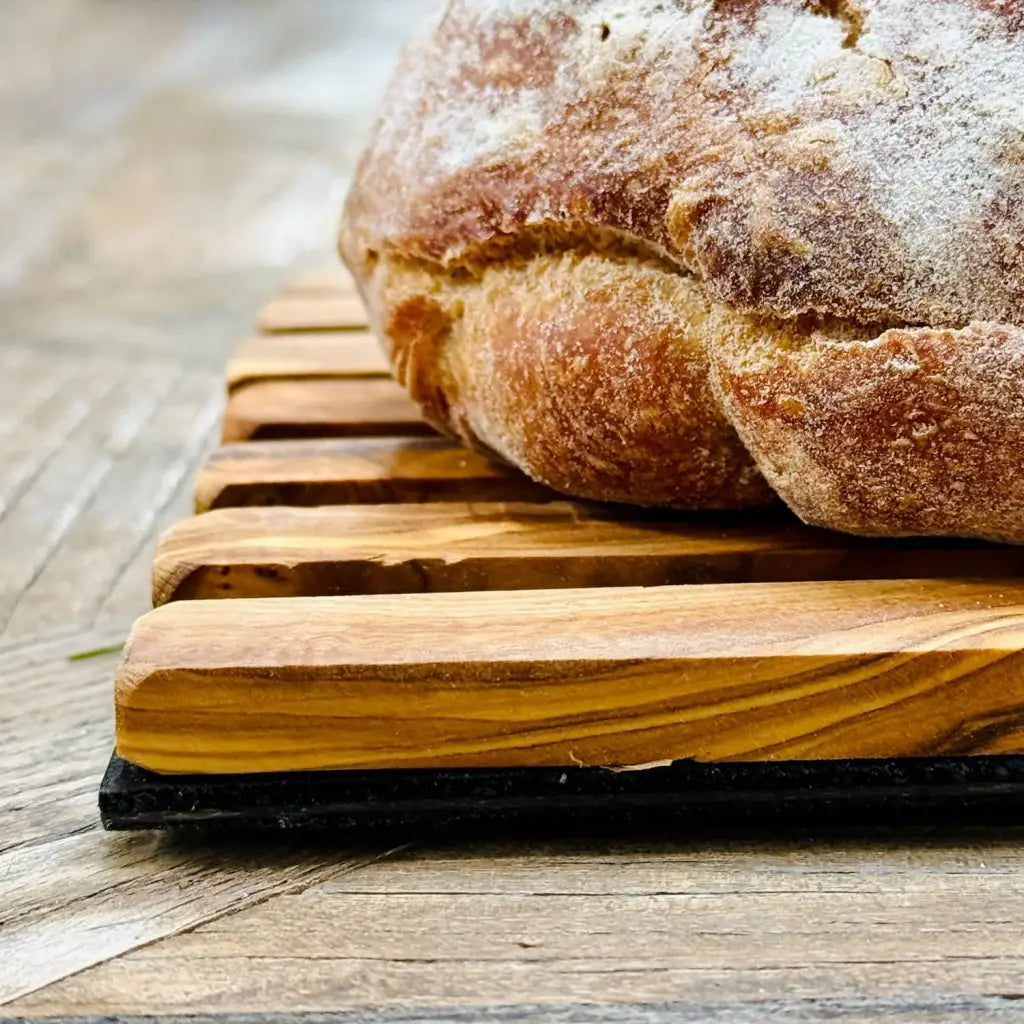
(914, 1009)
(621, 676)
(314, 354)
(356, 471)
(725, 930)
(378, 407)
(168, 886)
(122, 514)
(311, 312)
(386, 549)
(93, 439)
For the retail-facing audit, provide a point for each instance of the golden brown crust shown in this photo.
(586, 370)
(734, 136)
(913, 431)
(590, 373)
(853, 163)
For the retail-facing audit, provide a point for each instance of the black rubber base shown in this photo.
(685, 793)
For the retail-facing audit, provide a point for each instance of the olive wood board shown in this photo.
(588, 677)
(285, 551)
(421, 627)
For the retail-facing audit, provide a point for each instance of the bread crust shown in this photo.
(579, 368)
(915, 431)
(847, 169)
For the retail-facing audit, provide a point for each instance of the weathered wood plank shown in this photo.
(315, 354)
(484, 988)
(914, 1009)
(684, 931)
(67, 483)
(44, 412)
(356, 471)
(304, 312)
(48, 786)
(390, 549)
(120, 516)
(28, 381)
(877, 862)
(378, 407)
(621, 676)
(314, 921)
(49, 931)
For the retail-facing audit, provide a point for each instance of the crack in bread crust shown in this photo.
(913, 431)
(585, 369)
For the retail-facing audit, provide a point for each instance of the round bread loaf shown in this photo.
(698, 253)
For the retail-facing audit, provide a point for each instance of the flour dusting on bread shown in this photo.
(840, 181)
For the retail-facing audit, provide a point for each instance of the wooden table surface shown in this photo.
(165, 166)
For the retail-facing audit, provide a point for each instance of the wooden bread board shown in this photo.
(410, 604)
(602, 676)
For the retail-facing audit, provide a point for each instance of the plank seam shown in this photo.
(188, 469)
(58, 444)
(288, 890)
(90, 496)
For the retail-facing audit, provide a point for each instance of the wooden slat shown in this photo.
(305, 355)
(370, 471)
(327, 407)
(389, 549)
(313, 313)
(621, 676)
(331, 281)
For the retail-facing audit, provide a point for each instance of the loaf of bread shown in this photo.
(699, 253)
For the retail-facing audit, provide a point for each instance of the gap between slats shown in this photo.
(366, 471)
(328, 407)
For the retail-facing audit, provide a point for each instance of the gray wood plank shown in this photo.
(45, 935)
(713, 925)
(994, 1009)
(35, 524)
(41, 427)
(120, 515)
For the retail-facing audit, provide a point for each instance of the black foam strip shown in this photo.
(684, 793)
